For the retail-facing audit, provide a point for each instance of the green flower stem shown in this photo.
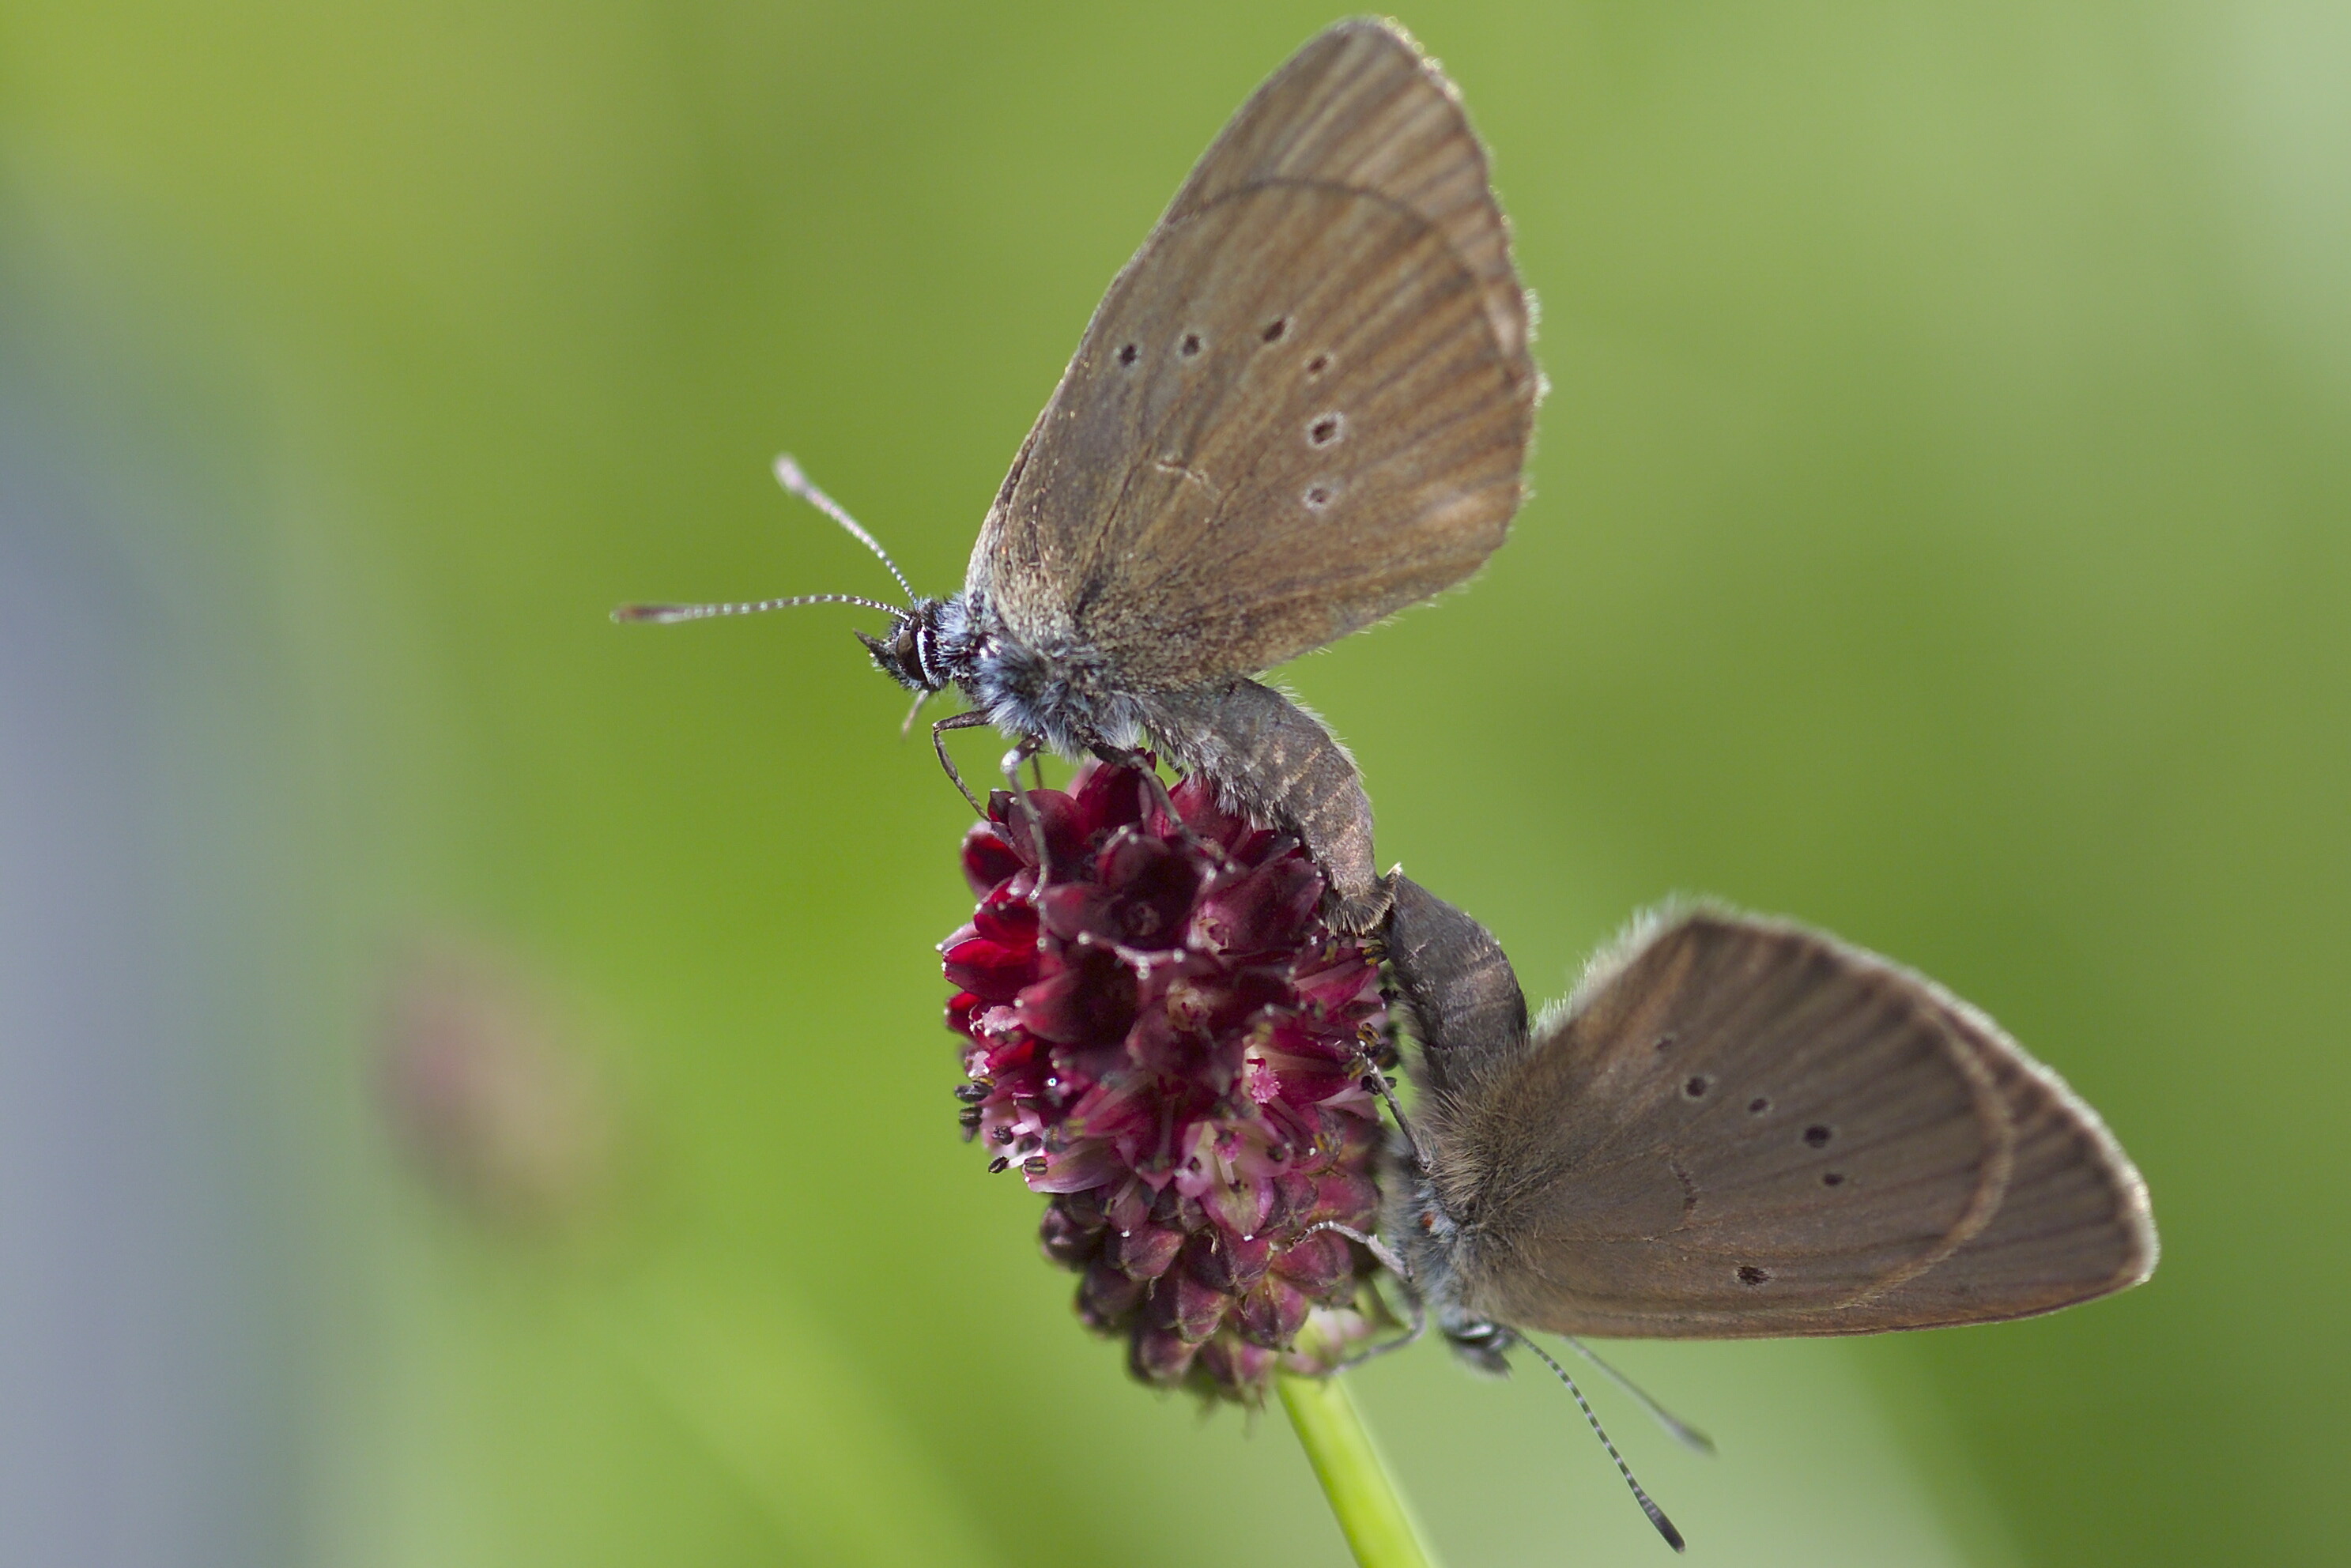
(1371, 1512)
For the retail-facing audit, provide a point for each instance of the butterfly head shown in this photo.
(913, 653)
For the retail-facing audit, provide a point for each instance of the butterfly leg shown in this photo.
(1013, 758)
(1380, 1251)
(971, 720)
(1378, 1083)
(1140, 762)
(1414, 1304)
(907, 728)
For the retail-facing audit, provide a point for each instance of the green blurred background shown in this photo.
(1939, 533)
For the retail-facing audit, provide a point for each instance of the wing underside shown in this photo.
(1303, 405)
(1748, 1130)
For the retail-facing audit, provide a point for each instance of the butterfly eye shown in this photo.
(1128, 353)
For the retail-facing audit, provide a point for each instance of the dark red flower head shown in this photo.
(1166, 1039)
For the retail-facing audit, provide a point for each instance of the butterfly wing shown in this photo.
(1739, 1128)
(1303, 406)
(2074, 1225)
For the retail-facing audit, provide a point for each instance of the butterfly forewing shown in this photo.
(1277, 507)
(1305, 405)
(1361, 107)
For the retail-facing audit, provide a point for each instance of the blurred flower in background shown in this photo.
(493, 1089)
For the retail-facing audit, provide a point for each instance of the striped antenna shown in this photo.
(668, 614)
(1689, 1437)
(792, 477)
(1656, 1515)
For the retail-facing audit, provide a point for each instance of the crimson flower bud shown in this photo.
(1164, 1037)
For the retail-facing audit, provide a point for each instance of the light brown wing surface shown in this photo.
(2074, 1225)
(1739, 1131)
(1303, 405)
(1744, 1129)
(1360, 107)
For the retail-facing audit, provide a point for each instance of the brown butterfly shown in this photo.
(1735, 1128)
(1303, 405)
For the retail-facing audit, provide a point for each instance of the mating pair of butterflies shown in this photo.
(1305, 405)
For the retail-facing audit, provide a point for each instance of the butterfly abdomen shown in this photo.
(1274, 761)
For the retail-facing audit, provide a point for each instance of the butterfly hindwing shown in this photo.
(2073, 1224)
(1741, 1128)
